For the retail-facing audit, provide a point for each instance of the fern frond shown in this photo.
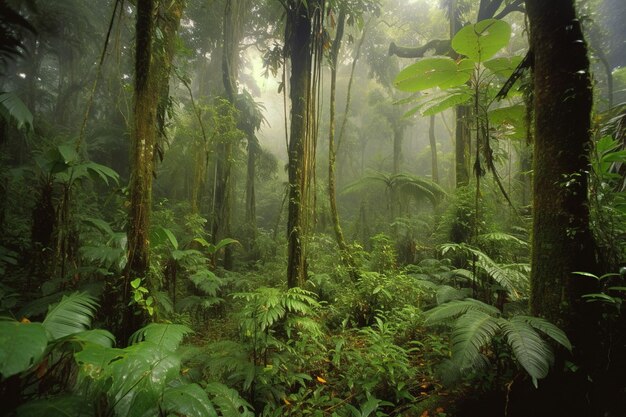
(228, 401)
(206, 281)
(546, 328)
(532, 353)
(71, 315)
(187, 400)
(456, 308)
(168, 336)
(471, 332)
(501, 237)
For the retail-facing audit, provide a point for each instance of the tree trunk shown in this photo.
(346, 256)
(398, 137)
(298, 42)
(562, 242)
(433, 149)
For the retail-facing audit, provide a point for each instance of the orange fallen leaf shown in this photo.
(24, 320)
(424, 414)
(320, 380)
(439, 409)
(286, 401)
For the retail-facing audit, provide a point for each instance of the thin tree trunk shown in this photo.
(346, 256)
(433, 149)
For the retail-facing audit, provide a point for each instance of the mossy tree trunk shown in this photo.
(298, 42)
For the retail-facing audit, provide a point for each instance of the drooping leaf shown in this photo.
(532, 353)
(482, 40)
(441, 103)
(72, 314)
(13, 108)
(546, 328)
(21, 346)
(432, 72)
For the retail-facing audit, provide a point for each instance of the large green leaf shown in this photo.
(71, 315)
(21, 346)
(511, 119)
(13, 108)
(547, 328)
(433, 72)
(62, 406)
(188, 400)
(168, 336)
(532, 353)
(482, 40)
(503, 67)
(446, 101)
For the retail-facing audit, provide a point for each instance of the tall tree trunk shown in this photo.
(398, 138)
(562, 242)
(298, 39)
(346, 256)
(223, 184)
(433, 149)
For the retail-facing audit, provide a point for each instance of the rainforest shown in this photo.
(325, 208)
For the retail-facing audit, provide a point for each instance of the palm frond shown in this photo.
(71, 315)
(546, 328)
(532, 353)
(471, 332)
(502, 238)
(453, 309)
(447, 293)
(12, 108)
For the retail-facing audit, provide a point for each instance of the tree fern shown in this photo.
(471, 332)
(72, 314)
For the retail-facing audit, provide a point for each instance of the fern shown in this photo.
(472, 331)
(546, 328)
(71, 315)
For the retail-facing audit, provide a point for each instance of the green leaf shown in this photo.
(503, 67)
(63, 406)
(135, 283)
(441, 103)
(104, 172)
(68, 154)
(187, 400)
(512, 118)
(72, 314)
(13, 108)
(481, 41)
(432, 72)
(168, 336)
(21, 346)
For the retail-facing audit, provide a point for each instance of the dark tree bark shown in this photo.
(562, 242)
(298, 40)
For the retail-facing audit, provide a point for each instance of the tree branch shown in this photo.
(439, 46)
